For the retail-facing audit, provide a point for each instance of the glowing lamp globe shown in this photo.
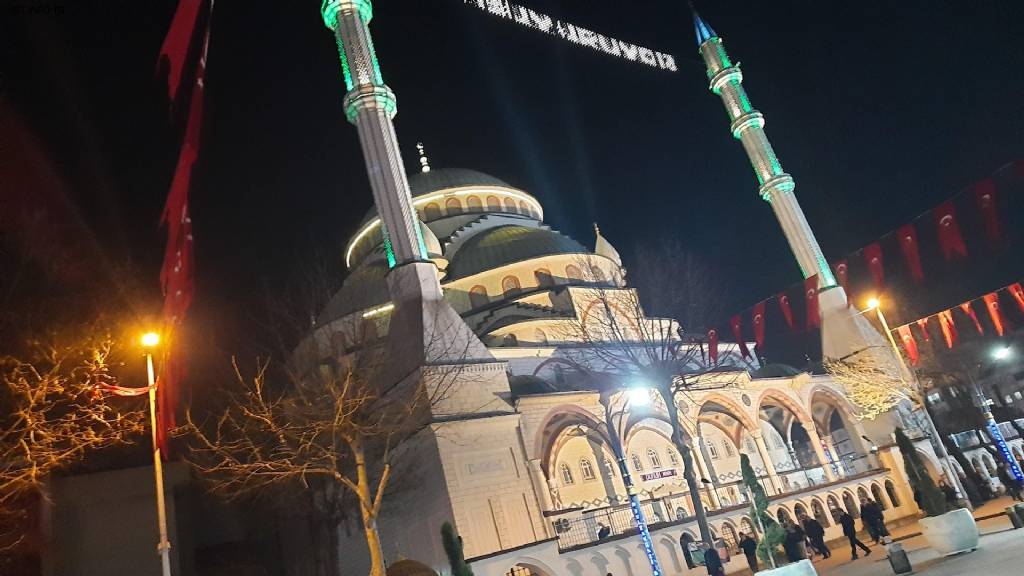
(150, 339)
(873, 303)
(1002, 353)
(639, 396)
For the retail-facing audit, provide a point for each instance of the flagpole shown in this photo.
(163, 546)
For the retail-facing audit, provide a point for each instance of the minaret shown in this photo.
(843, 330)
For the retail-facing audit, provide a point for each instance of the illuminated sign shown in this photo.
(576, 34)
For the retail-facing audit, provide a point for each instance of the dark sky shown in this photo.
(879, 110)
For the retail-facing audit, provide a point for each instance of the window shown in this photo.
(729, 535)
(833, 506)
(1018, 395)
(851, 505)
(637, 464)
(655, 460)
(566, 474)
(523, 209)
(431, 211)
(673, 457)
(453, 206)
(876, 492)
(712, 451)
(934, 397)
(510, 285)
(540, 337)
(510, 205)
(573, 272)
(478, 296)
(493, 204)
(474, 204)
(1009, 399)
(890, 489)
(799, 509)
(818, 511)
(749, 444)
(728, 449)
(543, 276)
(587, 469)
(681, 513)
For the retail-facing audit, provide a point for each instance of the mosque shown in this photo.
(521, 455)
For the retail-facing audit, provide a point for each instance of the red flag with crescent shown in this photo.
(1017, 291)
(948, 327)
(842, 275)
(950, 239)
(787, 311)
(923, 325)
(713, 345)
(908, 245)
(992, 305)
(909, 344)
(873, 258)
(737, 332)
(985, 200)
(811, 295)
(178, 43)
(966, 307)
(758, 320)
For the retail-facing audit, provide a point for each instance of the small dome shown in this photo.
(502, 245)
(364, 288)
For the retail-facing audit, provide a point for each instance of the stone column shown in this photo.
(702, 472)
(766, 458)
(819, 452)
(540, 485)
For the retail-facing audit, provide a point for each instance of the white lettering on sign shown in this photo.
(575, 34)
(658, 474)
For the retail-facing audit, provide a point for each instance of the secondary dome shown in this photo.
(422, 183)
(507, 244)
(364, 288)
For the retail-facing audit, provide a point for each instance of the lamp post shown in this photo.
(151, 340)
(991, 425)
(954, 478)
(639, 397)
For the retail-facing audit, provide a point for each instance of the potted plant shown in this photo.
(947, 529)
(772, 535)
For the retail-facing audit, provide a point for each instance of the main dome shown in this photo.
(507, 244)
(422, 183)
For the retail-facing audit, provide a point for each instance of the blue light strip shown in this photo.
(997, 436)
(645, 536)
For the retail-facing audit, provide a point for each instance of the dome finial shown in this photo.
(602, 247)
(597, 231)
(424, 163)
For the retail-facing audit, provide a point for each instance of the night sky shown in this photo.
(879, 111)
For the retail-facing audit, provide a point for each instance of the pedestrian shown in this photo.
(749, 547)
(816, 534)
(712, 561)
(603, 531)
(971, 489)
(850, 531)
(949, 493)
(794, 542)
(873, 518)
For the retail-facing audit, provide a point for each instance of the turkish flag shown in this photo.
(873, 258)
(787, 311)
(966, 307)
(842, 274)
(923, 325)
(811, 295)
(909, 344)
(1017, 291)
(737, 332)
(175, 49)
(908, 245)
(985, 200)
(950, 239)
(758, 320)
(948, 327)
(992, 305)
(713, 345)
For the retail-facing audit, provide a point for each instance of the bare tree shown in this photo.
(873, 385)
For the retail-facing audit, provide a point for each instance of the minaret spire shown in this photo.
(776, 186)
(424, 163)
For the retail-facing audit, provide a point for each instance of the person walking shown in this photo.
(850, 531)
(712, 561)
(816, 534)
(794, 542)
(874, 520)
(749, 547)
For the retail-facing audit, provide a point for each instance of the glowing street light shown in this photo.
(1002, 353)
(873, 303)
(639, 396)
(149, 341)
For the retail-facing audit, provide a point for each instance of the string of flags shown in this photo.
(944, 224)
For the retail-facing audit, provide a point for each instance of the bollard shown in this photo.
(898, 559)
(1019, 507)
(1011, 513)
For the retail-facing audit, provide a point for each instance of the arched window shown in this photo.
(573, 272)
(493, 204)
(818, 511)
(728, 448)
(478, 296)
(876, 492)
(976, 464)
(729, 535)
(652, 456)
(798, 510)
(543, 276)
(851, 505)
(473, 204)
(598, 274)
(673, 457)
(431, 211)
(712, 451)
(540, 337)
(587, 470)
(510, 285)
(510, 205)
(747, 527)
(453, 206)
(862, 494)
(833, 507)
(637, 464)
(783, 515)
(990, 465)
(523, 209)
(681, 513)
(890, 489)
(566, 474)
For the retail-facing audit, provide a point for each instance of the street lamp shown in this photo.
(876, 305)
(149, 341)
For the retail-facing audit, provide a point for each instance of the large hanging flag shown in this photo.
(787, 310)
(737, 332)
(948, 327)
(950, 240)
(909, 344)
(758, 321)
(713, 346)
(842, 275)
(811, 295)
(908, 245)
(873, 258)
(966, 307)
(985, 200)
(992, 305)
(923, 325)
(177, 275)
(1017, 291)
(177, 44)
